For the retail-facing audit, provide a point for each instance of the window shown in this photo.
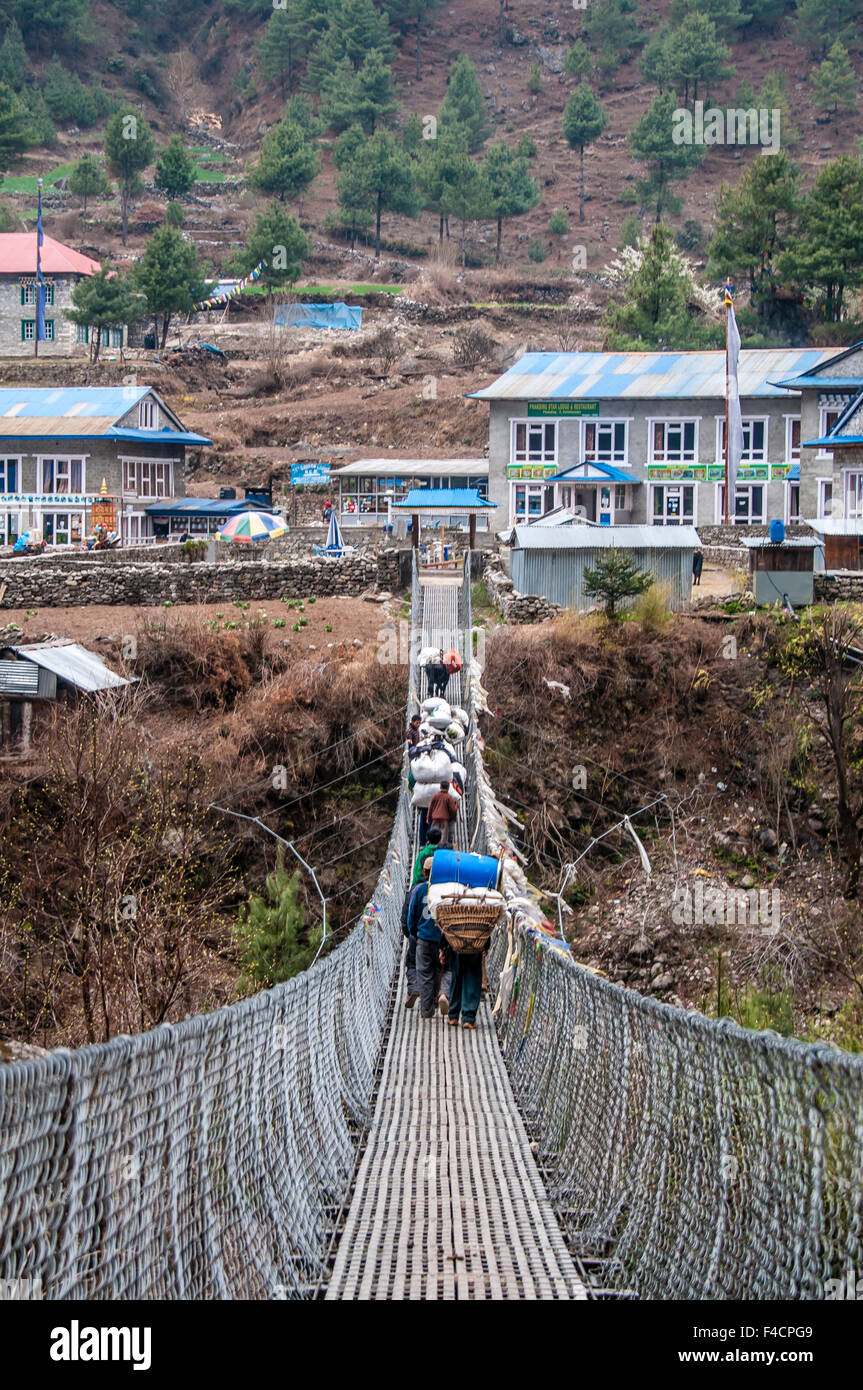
(8, 475)
(534, 441)
(754, 441)
(605, 441)
(114, 337)
(8, 528)
(673, 441)
(825, 496)
(147, 415)
(28, 294)
(61, 475)
(63, 528)
(28, 330)
(793, 504)
(620, 497)
(531, 500)
(83, 334)
(792, 439)
(854, 495)
(829, 416)
(146, 478)
(748, 509)
(674, 505)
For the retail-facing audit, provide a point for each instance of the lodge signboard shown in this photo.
(539, 410)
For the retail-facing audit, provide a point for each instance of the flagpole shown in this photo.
(38, 266)
(727, 312)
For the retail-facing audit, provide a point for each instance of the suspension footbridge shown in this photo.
(320, 1141)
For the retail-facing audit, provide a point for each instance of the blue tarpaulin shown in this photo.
(319, 316)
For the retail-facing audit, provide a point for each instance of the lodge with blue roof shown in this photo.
(638, 437)
(62, 449)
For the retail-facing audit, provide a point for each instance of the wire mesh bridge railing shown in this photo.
(212, 1159)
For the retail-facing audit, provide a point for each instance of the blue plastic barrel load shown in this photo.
(777, 532)
(470, 870)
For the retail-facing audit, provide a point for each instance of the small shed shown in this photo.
(451, 506)
(550, 561)
(41, 672)
(782, 571)
(842, 539)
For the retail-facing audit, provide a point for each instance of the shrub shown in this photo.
(268, 931)
(652, 609)
(534, 79)
(472, 346)
(630, 230)
(690, 237)
(558, 223)
(537, 251)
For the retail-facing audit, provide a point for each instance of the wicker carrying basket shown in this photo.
(467, 926)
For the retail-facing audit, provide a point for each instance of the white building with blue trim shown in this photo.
(638, 437)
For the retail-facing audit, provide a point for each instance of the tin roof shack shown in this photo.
(783, 571)
(842, 540)
(40, 673)
(550, 561)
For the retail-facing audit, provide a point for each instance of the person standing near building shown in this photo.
(442, 812)
(413, 732)
(697, 565)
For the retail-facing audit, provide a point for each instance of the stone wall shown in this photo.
(513, 606)
(734, 557)
(838, 585)
(150, 585)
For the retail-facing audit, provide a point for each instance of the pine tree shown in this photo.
(584, 120)
(357, 201)
(277, 238)
(651, 308)
(826, 256)
(754, 225)
(384, 173)
(129, 148)
(364, 30)
(511, 190)
(773, 96)
(821, 23)
(14, 65)
(463, 107)
(271, 934)
(175, 169)
(578, 62)
(726, 15)
(465, 196)
(612, 33)
(654, 62)
(651, 141)
(169, 278)
(615, 577)
(438, 169)
(693, 55)
(835, 84)
(366, 98)
(282, 46)
(416, 12)
(288, 162)
(87, 180)
(15, 133)
(104, 300)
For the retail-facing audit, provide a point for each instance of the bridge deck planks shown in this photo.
(448, 1202)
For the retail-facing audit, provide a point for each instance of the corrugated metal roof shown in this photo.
(544, 376)
(606, 537)
(606, 470)
(158, 436)
(19, 678)
(65, 412)
(18, 256)
(413, 468)
(445, 499)
(205, 506)
(73, 664)
(788, 543)
(837, 526)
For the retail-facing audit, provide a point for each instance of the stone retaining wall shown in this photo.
(515, 607)
(735, 557)
(838, 585)
(42, 586)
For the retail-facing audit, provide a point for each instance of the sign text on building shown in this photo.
(310, 474)
(555, 409)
